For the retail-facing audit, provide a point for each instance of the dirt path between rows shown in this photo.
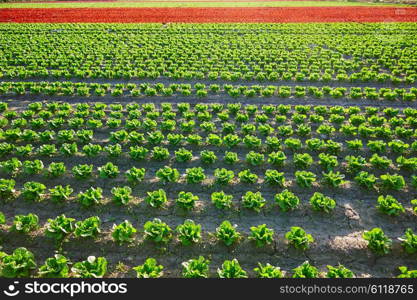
(224, 98)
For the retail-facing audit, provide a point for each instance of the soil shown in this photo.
(22, 100)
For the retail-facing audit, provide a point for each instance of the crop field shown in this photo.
(199, 3)
(211, 147)
(209, 14)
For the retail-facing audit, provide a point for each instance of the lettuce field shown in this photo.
(191, 148)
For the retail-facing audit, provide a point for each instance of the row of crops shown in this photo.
(384, 52)
(60, 266)
(201, 90)
(285, 200)
(62, 229)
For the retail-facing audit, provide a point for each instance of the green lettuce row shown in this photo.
(21, 264)
(201, 90)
